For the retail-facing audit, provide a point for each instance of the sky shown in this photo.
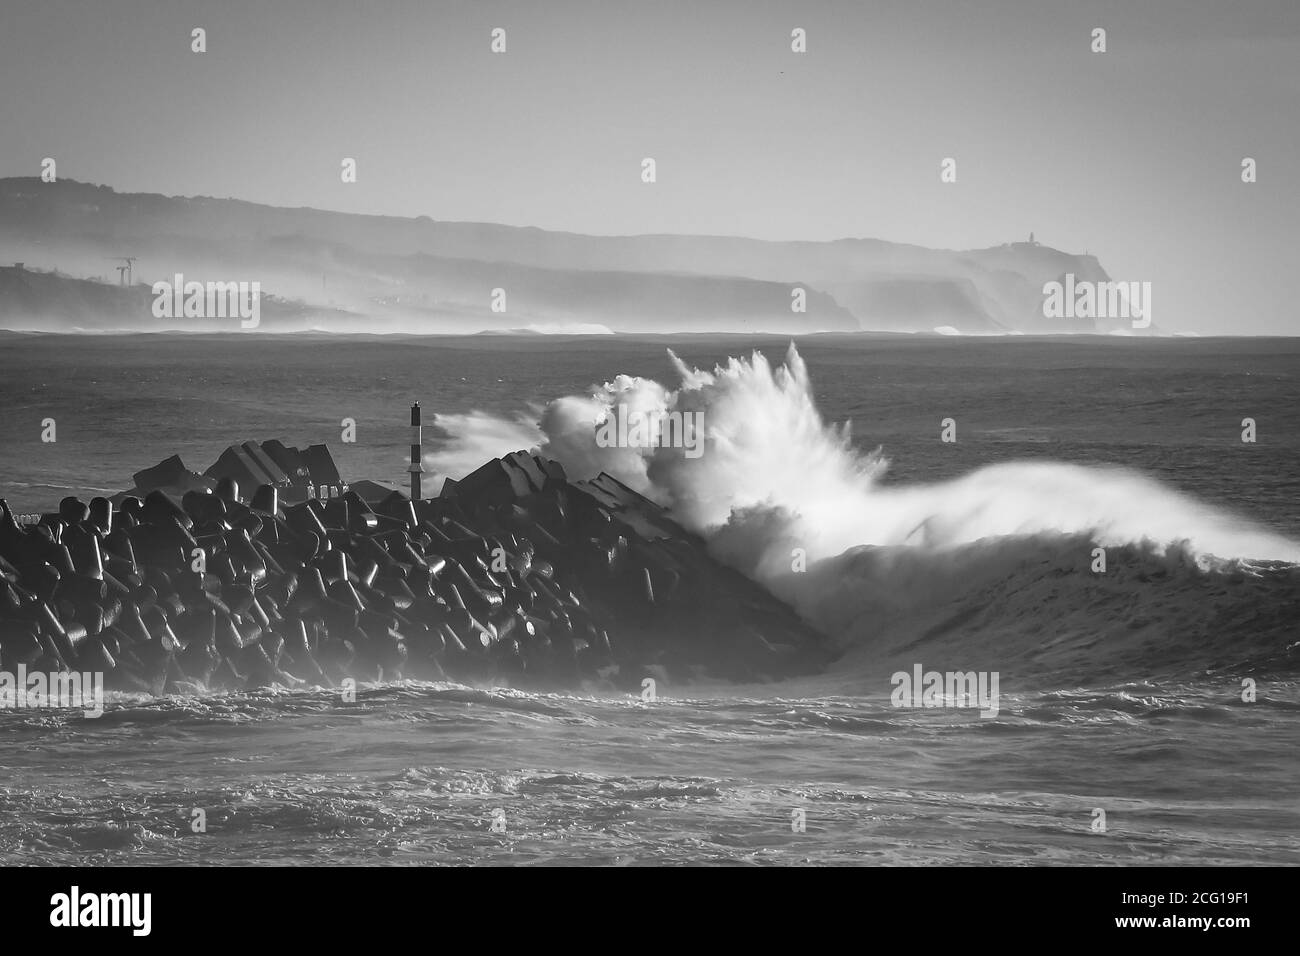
(1133, 155)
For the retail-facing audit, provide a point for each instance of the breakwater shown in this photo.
(513, 575)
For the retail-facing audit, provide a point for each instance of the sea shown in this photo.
(1108, 526)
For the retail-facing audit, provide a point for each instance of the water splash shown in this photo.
(775, 475)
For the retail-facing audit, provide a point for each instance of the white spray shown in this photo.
(774, 476)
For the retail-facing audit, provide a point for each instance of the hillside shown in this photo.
(382, 272)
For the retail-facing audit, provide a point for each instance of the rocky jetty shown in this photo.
(513, 575)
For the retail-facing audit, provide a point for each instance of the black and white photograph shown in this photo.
(737, 433)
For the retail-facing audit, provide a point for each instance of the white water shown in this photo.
(776, 473)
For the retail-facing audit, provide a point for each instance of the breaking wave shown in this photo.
(1007, 551)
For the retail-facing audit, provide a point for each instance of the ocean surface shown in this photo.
(1121, 691)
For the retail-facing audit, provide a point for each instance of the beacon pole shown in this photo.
(416, 468)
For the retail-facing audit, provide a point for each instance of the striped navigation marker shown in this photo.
(416, 468)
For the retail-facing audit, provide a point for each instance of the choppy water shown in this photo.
(1120, 692)
(415, 774)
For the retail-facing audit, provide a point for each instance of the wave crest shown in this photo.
(1006, 550)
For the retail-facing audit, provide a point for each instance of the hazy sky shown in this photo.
(1133, 154)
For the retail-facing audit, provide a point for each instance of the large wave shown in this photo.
(785, 496)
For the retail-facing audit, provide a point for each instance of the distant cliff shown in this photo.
(382, 272)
